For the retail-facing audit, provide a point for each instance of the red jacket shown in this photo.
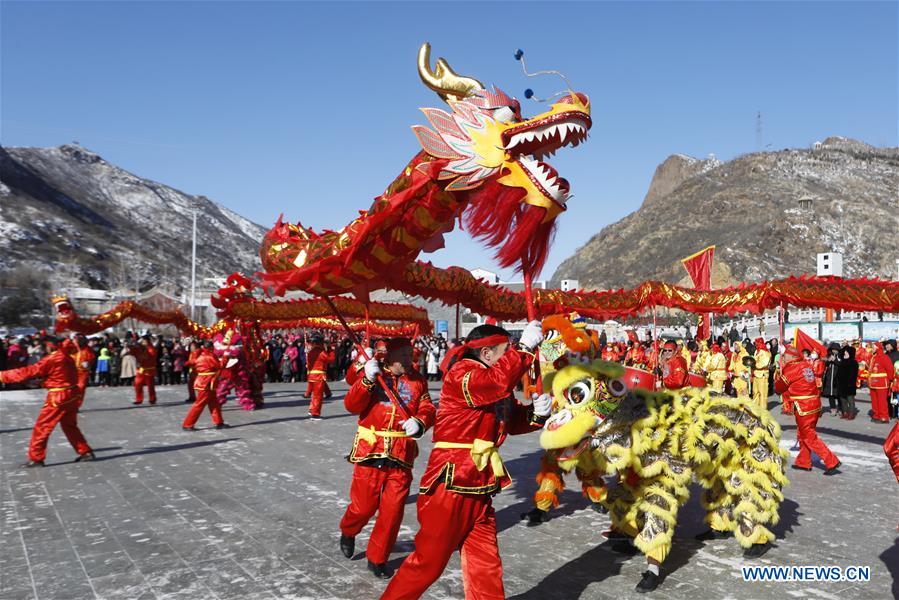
(796, 384)
(317, 361)
(146, 358)
(880, 372)
(377, 413)
(674, 373)
(476, 403)
(206, 367)
(57, 370)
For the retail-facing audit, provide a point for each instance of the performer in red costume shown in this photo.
(383, 451)
(357, 369)
(145, 354)
(317, 358)
(796, 382)
(205, 366)
(477, 411)
(880, 378)
(674, 367)
(195, 348)
(84, 360)
(60, 377)
(891, 449)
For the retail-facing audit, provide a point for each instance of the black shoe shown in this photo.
(223, 426)
(189, 429)
(601, 509)
(649, 582)
(798, 468)
(713, 534)
(623, 547)
(381, 571)
(32, 464)
(188, 401)
(89, 455)
(137, 403)
(834, 469)
(756, 550)
(535, 517)
(348, 545)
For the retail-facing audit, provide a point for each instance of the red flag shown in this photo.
(804, 341)
(699, 266)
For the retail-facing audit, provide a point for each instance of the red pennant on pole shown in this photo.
(804, 341)
(699, 266)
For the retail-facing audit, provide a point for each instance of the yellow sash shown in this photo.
(371, 434)
(482, 453)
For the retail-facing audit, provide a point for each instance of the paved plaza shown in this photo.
(251, 512)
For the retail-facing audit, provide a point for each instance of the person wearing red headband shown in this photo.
(796, 382)
(477, 411)
(383, 451)
(717, 369)
(60, 377)
(84, 358)
(673, 366)
(880, 378)
(760, 373)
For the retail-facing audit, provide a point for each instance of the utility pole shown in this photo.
(193, 270)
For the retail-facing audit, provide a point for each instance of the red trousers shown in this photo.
(879, 404)
(205, 398)
(377, 490)
(891, 449)
(83, 376)
(191, 378)
(317, 390)
(61, 408)
(139, 380)
(810, 442)
(450, 522)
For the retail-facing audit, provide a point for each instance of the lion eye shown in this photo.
(579, 392)
(617, 387)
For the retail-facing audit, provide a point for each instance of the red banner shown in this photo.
(699, 266)
(804, 341)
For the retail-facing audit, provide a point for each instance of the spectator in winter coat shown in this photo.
(129, 365)
(115, 364)
(829, 387)
(847, 376)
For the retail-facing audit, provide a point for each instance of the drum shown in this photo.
(696, 380)
(639, 379)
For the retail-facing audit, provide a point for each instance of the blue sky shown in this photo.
(305, 108)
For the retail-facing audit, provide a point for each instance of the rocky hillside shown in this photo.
(70, 214)
(768, 213)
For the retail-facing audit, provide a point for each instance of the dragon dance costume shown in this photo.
(146, 371)
(59, 375)
(317, 361)
(477, 411)
(234, 375)
(205, 368)
(382, 456)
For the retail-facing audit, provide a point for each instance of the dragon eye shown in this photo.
(579, 393)
(617, 387)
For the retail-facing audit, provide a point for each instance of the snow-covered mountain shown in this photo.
(67, 212)
(768, 213)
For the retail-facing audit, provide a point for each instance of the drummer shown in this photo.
(673, 367)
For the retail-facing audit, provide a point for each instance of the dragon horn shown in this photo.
(443, 80)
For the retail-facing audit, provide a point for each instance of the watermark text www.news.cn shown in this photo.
(806, 573)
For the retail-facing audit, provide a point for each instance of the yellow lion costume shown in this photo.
(657, 443)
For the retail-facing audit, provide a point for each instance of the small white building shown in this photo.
(830, 264)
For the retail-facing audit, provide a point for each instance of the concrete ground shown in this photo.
(251, 512)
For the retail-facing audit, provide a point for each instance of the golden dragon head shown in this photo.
(486, 136)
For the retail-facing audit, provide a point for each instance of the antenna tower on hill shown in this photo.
(758, 131)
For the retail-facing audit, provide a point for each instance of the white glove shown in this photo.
(543, 405)
(532, 335)
(411, 427)
(595, 442)
(372, 369)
